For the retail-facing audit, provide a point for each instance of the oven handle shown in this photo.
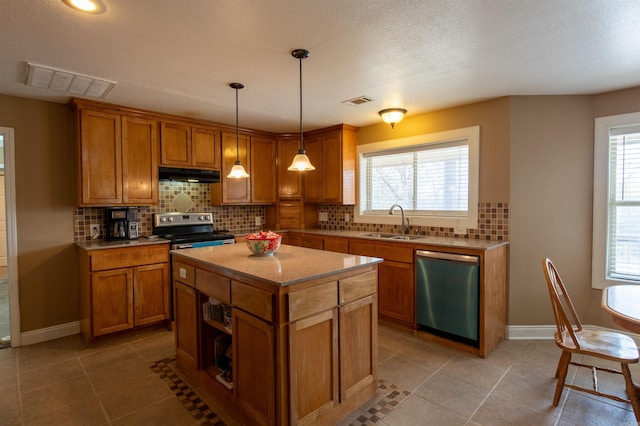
(202, 244)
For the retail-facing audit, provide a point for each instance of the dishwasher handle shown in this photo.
(462, 258)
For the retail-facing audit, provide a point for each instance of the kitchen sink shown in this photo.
(406, 237)
(391, 236)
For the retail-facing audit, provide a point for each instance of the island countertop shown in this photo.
(290, 265)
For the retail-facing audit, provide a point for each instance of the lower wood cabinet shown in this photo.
(396, 291)
(254, 366)
(185, 311)
(123, 288)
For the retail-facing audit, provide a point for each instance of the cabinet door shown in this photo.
(254, 366)
(358, 346)
(313, 179)
(206, 148)
(313, 360)
(313, 241)
(341, 245)
(234, 191)
(185, 310)
(263, 170)
(100, 158)
(139, 161)
(151, 293)
(175, 144)
(289, 183)
(396, 291)
(332, 168)
(112, 300)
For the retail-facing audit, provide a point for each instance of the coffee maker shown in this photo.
(122, 223)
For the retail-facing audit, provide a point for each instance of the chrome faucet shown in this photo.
(405, 228)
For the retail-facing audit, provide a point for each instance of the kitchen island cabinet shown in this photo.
(303, 330)
(122, 288)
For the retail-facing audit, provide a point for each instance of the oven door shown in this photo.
(201, 244)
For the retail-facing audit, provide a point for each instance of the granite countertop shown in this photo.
(290, 265)
(103, 244)
(426, 240)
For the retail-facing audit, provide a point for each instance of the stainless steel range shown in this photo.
(189, 230)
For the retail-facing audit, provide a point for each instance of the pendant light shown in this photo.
(300, 162)
(237, 171)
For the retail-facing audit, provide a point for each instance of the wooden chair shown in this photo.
(572, 338)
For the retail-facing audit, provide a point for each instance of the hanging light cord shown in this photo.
(237, 133)
(301, 144)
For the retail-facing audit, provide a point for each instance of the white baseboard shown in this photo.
(49, 333)
(546, 332)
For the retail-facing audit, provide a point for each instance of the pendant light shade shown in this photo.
(301, 162)
(237, 171)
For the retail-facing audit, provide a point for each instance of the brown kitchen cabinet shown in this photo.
(289, 183)
(123, 288)
(184, 145)
(258, 156)
(396, 286)
(333, 153)
(313, 241)
(117, 157)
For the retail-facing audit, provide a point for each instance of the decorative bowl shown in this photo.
(263, 243)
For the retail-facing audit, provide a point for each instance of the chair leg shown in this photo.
(561, 374)
(632, 391)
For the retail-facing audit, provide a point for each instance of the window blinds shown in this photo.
(623, 245)
(425, 179)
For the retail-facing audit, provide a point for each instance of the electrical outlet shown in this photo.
(95, 231)
(323, 216)
(258, 221)
(346, 217)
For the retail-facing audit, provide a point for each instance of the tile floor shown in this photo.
(119, 382)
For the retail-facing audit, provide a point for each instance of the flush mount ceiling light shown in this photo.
(300, 162)
(392, 115)
(237, 171)
(65, 81)
(88, 6)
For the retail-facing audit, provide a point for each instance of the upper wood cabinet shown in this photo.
(289, 183)
(183, 145)
(258, 156)
(117, 159)
(333, 153)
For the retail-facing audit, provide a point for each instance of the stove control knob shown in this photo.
(207, 217)
(163, 219)
(170, 219)
(201, 217)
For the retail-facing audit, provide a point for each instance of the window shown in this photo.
(433, 177)
(616, 208)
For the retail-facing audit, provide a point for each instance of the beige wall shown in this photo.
(45, 182)
(493, 119)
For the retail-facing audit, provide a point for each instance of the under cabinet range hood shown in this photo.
(189, 175)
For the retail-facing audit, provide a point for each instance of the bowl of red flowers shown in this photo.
(263, 243)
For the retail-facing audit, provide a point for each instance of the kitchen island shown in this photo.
(283, 339)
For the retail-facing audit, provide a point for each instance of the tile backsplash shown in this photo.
(493, 223)
(493, 218)
(173, 195)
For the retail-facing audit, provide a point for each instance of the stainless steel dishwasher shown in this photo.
(447, 295)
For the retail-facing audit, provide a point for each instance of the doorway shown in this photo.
(9, 307)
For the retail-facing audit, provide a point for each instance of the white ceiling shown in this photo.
(178, 56)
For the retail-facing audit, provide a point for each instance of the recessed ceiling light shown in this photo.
(88, 6)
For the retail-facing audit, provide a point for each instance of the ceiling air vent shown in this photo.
(357, 101)
(66, 81)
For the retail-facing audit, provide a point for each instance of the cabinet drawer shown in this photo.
(303, 303)
(252, 300)
(184, 273)
(129, 256)
(395, 252)
(313, 241)
(214, 285)
(359, 286)
(340, 245)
